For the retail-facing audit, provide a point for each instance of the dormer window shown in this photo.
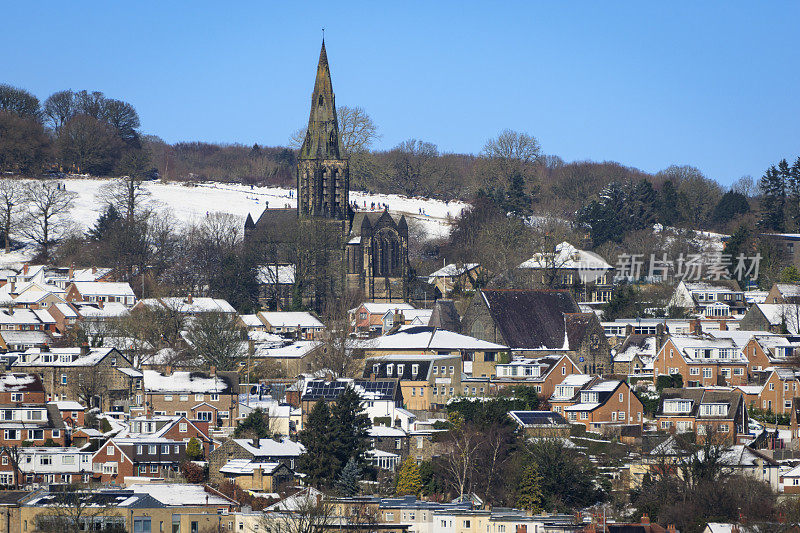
(400, 369)
(389, 369)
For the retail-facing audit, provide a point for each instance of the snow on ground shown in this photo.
(192, 202)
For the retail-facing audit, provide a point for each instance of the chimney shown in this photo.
(189, 298)
(94, 270)
(671, 528)
(723, 325)
(100, 304)
(85, 349)
(695, 326)
(71, 271)
(11, 290)
(645, 519)
(213, 369)
(255, 441)
(44, 348)
(25, 268)
(168, 370)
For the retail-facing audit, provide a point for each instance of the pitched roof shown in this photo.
(530, 319)
(319, 389)
(427, 338)
(445, 316)
(189, 382)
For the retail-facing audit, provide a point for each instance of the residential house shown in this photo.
(532, 322)
(720, 298)
(21, 388)
(766, 350)
(568, 390)
(101, 291)
(72, 413)
(282, 451)
(707, 412)
(62, 369)
(777, 318)
(367, 318)
(138, 456)
(543, 373)
(390, 446)
(780, 389)
(295, 324)
(289, 359)
(50, 465)
(603, 403)
(586, 274)
(177, 428)
(459, 278)
(188, 306)
(409, 317)
(275, 285)
(426, 381)
(257, 476)
(541, 423)
(381, 398)
(636, 354)
(30, 424)
(479, 356)
(701, 360)
(782, 293)
(207, 397)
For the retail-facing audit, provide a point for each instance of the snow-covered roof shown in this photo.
(108, 310)
(103, 288)
(131, 372)
(451, 270)
(295, 349)
(788, 289)
(66, 405)
(381, 308)
(246, 467)
(61, 357)
(777, 314)
(427, 338)
(200, 304)
(19, 317)
(272, 448)
(566, 256)
(251, 321)
(66, 310)
(177, 494)
(384, 431)
(290, 319)
(89, 274)
(16, 382)
(190, 382)
(24, 338)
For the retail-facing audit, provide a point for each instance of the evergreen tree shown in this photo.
(319, 462)
(668, 213)
(106, 222)
(729, 206)
(529, 489)
(350, 427)
(517, 200)
(194, 450)
(773, 200)
(409, 481)
(347, 484)
(790, 274)
(256, 425)
(642, 205)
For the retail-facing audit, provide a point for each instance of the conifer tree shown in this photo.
(350, 427)
(194, 449)
(319, 462)
(668, 213)
(107, 221)
(529, 489)
(409, 481)
(773, 201)
(347, 484)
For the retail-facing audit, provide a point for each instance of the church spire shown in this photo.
(322, 137)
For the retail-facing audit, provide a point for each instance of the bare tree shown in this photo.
(127, 193)
(59, 108)
(309, 513)
(48, 205)
(357, 130)
(75, 510)
(509, 154)
(463, 442)
(217, 339)
(89, 386)
(12, 196)
(415, 164)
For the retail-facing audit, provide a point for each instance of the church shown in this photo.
(372, 248)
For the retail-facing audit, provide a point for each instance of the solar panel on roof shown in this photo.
(538, 417)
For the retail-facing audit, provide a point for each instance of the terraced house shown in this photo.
(701, 360)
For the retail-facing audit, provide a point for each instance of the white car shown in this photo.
(754, 428)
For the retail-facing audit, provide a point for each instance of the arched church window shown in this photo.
(321, 100)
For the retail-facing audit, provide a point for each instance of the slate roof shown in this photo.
(577, 324)
(530, 319)
(423, 362)
(537, 418)
(319, 389)
(700, 396)
(445, 316)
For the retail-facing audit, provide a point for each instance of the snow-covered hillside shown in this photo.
(191, 202)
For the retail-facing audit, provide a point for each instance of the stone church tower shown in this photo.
(370, 255)
(323, 171)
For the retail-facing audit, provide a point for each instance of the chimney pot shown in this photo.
(645, 519)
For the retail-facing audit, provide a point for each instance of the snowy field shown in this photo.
(192, 202)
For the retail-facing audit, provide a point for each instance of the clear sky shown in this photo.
(711, 84)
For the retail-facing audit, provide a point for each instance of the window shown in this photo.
(452, 370)
(180, 413)
(141, 524)
(152, 449)
(390, 517)
(414, 370)
(771, 386)
(177, 449)
(165, 448)
(224, 415)
(184, 397)
(34, 415)
(621, 416)
(16, 396)
(466, 523)
(63, 379)
(110, 450)
(5, 460)
(585, 415)
(420, 442)
(154, 469)
(183, 427)
(620, 397)
(435, 370)
(738, 371)
(199, 397)
(389, 369)
(563, 370)
(707, 373)
(139, 449)
(694, 371)
(376, 369)
(215, 397)
(398, 444)
(401, 369)
(205, 416)
(435, 391)
(35, 434)
(168, 397)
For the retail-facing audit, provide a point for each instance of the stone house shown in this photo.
(282, 451)
(62, 369)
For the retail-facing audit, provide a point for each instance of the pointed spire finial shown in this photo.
(323, 35)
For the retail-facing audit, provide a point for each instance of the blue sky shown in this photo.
(711, 84)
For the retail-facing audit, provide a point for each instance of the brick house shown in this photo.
(705, 411)
(31, 424)
(72, 413)
(175, 428)
(19, 388)
(764, 351)
(368, 317)
(543, 373)
(282, 451)
(61, 368)
(604, 403)
(208, 397)
(145, 456)
(702, 360)
(65, 316)
(781, 387)
(101, 291)
(530, 322)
